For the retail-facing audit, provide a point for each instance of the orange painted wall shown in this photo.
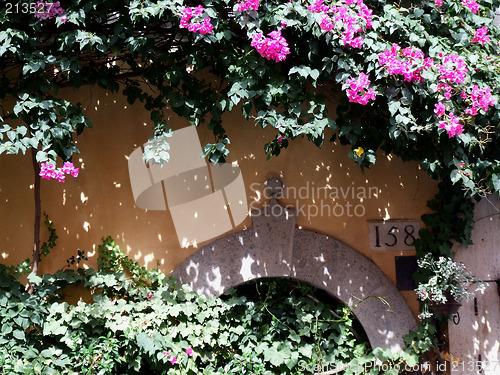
(100, 203)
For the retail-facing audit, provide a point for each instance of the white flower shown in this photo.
(445, 276)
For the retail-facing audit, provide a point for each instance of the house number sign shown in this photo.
(389, 235)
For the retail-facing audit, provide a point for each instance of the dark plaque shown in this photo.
(405, 267)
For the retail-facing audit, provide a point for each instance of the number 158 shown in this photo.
(392, 237)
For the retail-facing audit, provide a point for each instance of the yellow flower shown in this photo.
(359, 151)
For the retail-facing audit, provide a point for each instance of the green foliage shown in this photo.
(123, 44)
(119, 45)
(136, 325)
(422, 340)
(451, 220)
(112, 260)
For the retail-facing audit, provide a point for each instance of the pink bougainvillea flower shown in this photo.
(359, 90)
(439, 109)
(189, 351)
(47, 10)
(481, 36)
(48, 171)
(350, 20)
(273, 47)
(479, 98)
(172, 360)
(67, 167)
(326, 24)
(453, 69)
(247, 4)
(280, 139)
(59, 176)
(366, 14)
(355, 43)
(471, 111)
(472, 5)
(486, 99)
(438, 3)
(318, 7)
(452, 125)
(350, 29)
(408, 62)
(204, 28)
(186, 22)
(445, 89)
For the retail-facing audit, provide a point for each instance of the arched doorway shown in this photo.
(274, 247)
(285, 292)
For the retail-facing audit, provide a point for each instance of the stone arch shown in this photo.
(274, 247)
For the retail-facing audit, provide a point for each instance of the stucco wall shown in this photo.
(99, 202)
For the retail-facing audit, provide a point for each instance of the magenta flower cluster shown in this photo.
(273, 47)
(472, 5)
(439, 109)
(205, 27)
(47, 10)
(481, 36)
(479, 98)
(173, 359)
(407, 62)
(349, 18)
(449, 122)
(445, 89)
(48, 171)
(359, 90)
(247, 4)
(352, 19)
(452, 125)
(452, 72)
(453, 69)
(326, 24)
(318, 7)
